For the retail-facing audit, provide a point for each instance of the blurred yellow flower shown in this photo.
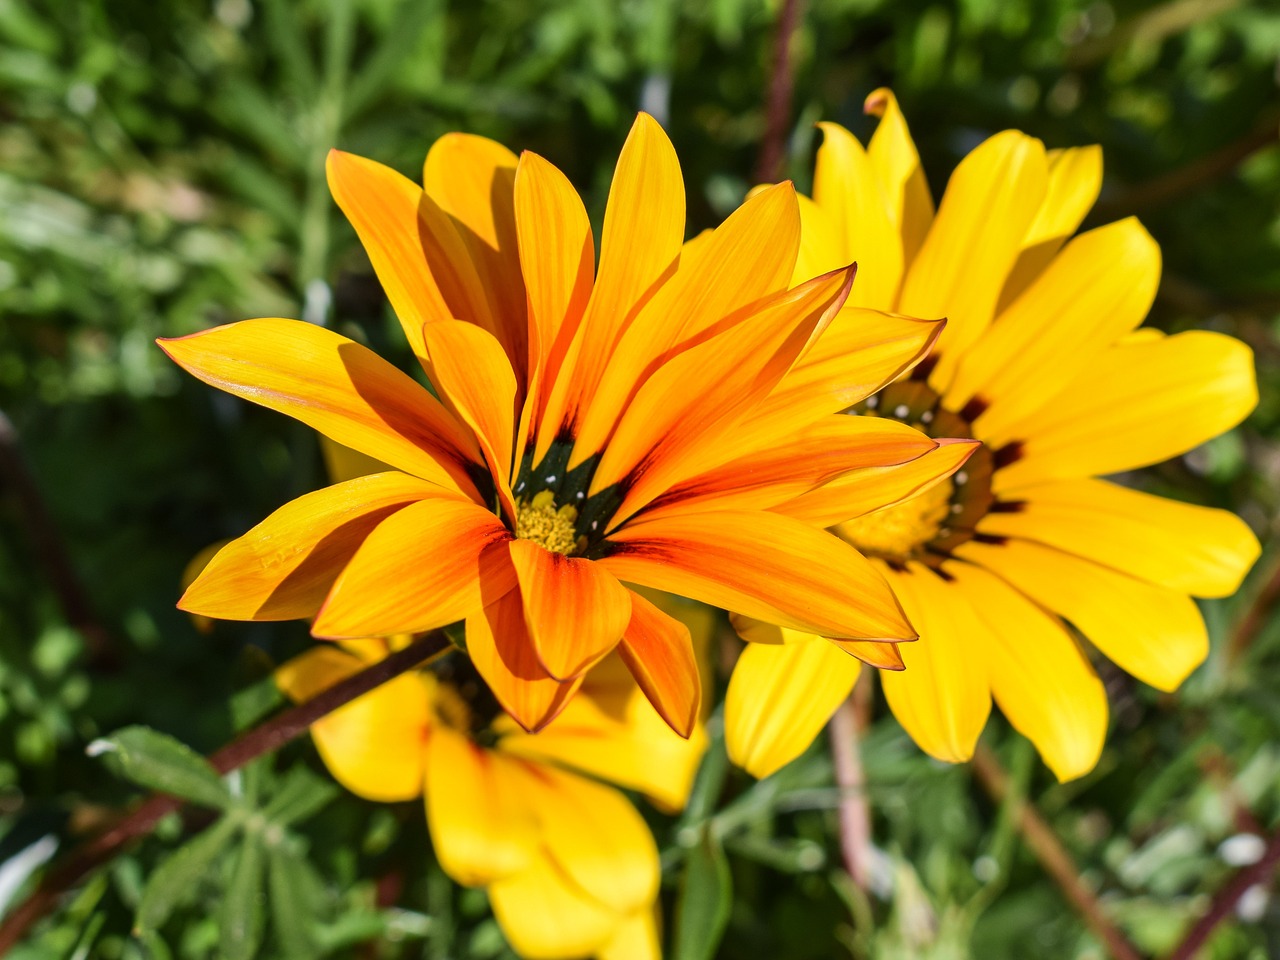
(1042, 361)
(569, 864)
(592, 427)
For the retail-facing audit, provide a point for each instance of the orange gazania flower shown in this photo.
(593, 427)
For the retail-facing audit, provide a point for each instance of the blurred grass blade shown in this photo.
(243, 917)
(706, 895)
(290, 45)
(398, 46)
(157, 761)
(177, 877)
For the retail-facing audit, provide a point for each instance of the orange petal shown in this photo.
(500, 647)
(670, 418)
(639, 247)
(658, 651)
(874, 488)
(858, 353)
(883, 656)
(420, 258)
(575, 610)
(817, 454)
(330, 383)
(557, 255)
(763, 565)
(425, 567)
(749, 256)
(283, 567)
(470, 367)
(472, 179)
(481, 826)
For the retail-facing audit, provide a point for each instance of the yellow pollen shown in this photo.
(539, 520)
(897, 532)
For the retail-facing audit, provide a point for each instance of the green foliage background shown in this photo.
(161, 170)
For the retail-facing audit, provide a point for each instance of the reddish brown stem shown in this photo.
(16, 476)
(269, 736)
(770, 166)
(845, 732)
(1224, 902)
(1256, 616)
(1053, 857)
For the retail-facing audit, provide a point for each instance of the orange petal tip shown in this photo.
(877, 101)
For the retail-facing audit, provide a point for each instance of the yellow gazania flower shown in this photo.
(569, 864)
(592, 427)
(1041, 361)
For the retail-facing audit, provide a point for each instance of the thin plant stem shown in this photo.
(845, 732)
(269, 736)
(1224, 902)
(51, 551)
(770, 165)
(1053, 857)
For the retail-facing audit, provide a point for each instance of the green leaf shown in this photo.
(706, 895)
(159, 762)
(242, 918)
(299, 794)
(292, 889)
(177, 877)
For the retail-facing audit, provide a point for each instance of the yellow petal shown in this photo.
(283, 567)
(500, 647)
(472, 179)
(481, 826)
(334, 385)
(897, 166)
(763, 565)
(575, 610)
(1138, 403)
(1075, 177)
(749, 256)
(815, 455)
(875, 488)
(780, 697)
(1186, 548)
(420, 258)
(372, 745)
(1041, 680)
(610, 731)
(1096, 290)
(597, 837)
(658, 650)
(1151, 632)
(822, 243)
(942, 697)
(343, 463)
(470, 368)
(991, 200)
(636, 938)
(546, 916)
(846, 188)
(427, 566)
(670, 423)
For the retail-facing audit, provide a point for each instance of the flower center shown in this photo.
(539, 520)
(928, 527)
(899, 531)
